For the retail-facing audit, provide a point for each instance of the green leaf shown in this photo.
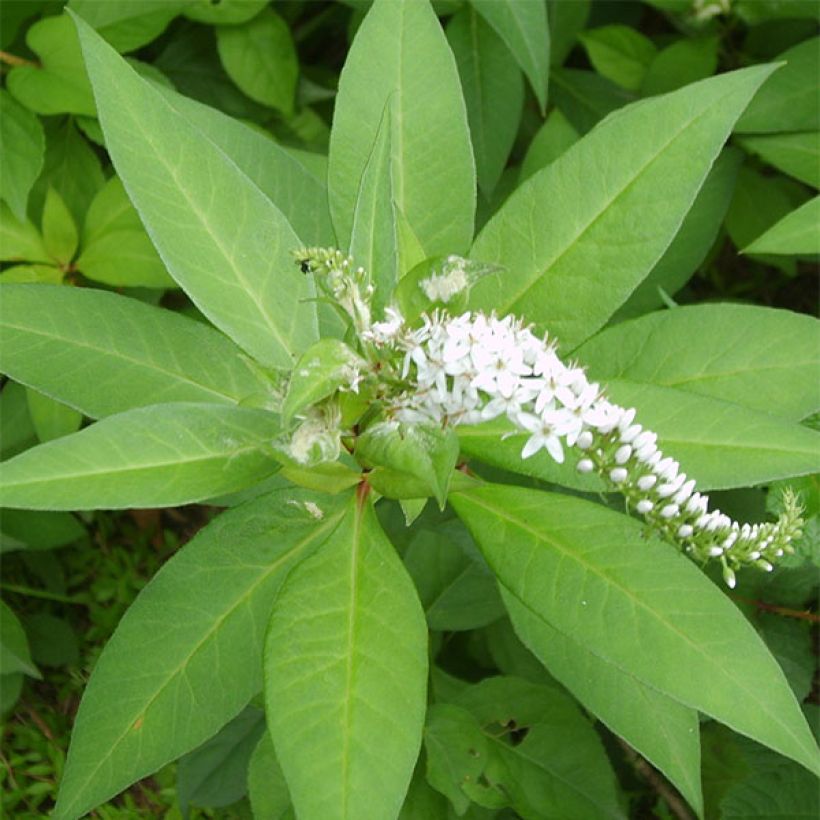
(57, 84)
(619, 53)
(22, 147)
(797, 155)
(524, 28)
(595, 244)
(267, 790)
(53, 642)
(231, 254)
(16, 429)
(347, 645)
(457, 752)
(320, 372)
(158, 456)
(719, 443)
(559, 768)
(664, 731)
(51, 419)
(286, 176)
(797, 232)
(186, 657)
(59, 231)
(493, 90)
(585, 97)
(260, 58)
(10, 688)
(423, 803)
(71, 168)
(790, 100)
(38, 530)
(14, 652)
(375, 241)
(214, 775)
(685, 61)
(51, 337)
(116, 249)
(432, 166)
(456, 590)
(20, 240)
(549, 142)
(693, 241)
(566, 21)
(128, 24)
(425, 452)
(225, 12)
(553, 552)
(758, 357)
(30, 274)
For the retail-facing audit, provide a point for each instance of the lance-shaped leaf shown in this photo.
(797, 233)
(524, 28)
(14, 651)
(22, 146)
(220, 237)
(187, 656)
(580, 235)
(52, 337)
(663, 730)
(797, 155)
(425, 452)
(637, 604)
(158, 456)
(322, 369)
(374, 238)
(346, 676)
(761, 358)
(433, 171)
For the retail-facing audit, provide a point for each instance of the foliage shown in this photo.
(390, 603)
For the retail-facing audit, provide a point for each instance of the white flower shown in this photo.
(547, 429)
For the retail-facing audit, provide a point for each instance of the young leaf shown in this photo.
(347, 645)
(606, 231)
(585, 97)
(664, 731)
(52, 337)
(525, 30)
(260, 58)
(31, 274)
(797, 155)
(20, 240)
(375, 242)
(432, 164)
(186, 657)
(224, 13)
(493, 91)
(797, 233)
(790, 100)
(59, 230)
(558, 769)
(220, 237)
(758, 357)
(550, 141)
(158, 456)
(57, 84)
(22, 147)
(425, 452)
(322, 370)
(51, 419)
(619, 53)
(116, 249)
(648, 610)
(214, 775)
(14, 651)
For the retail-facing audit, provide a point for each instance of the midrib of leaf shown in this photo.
(206, 637)
(638, 604)
(204, 221)
(543, 268)
(116, 354)
(349, 669)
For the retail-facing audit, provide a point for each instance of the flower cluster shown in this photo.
(472, 368)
